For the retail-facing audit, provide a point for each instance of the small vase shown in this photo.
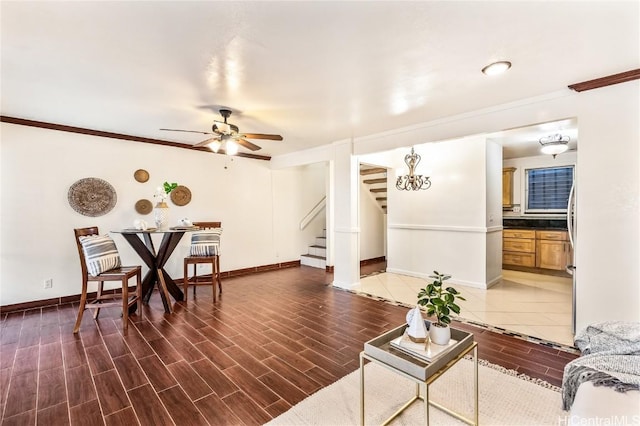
(439, 335)
(161, 215)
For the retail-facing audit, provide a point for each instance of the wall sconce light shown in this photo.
(412, 182)
(554, 144)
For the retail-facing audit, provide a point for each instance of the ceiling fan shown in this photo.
(228, 136)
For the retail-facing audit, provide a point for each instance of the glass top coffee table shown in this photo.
(381, 351)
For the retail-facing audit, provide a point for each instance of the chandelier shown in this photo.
(412, 182)
(554, 144)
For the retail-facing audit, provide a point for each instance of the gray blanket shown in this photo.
(610, 357)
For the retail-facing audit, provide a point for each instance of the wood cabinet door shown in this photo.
(507, 186)
(519, 259)
(519, 233)
(552, 235)
(552, 255)
(519, 245)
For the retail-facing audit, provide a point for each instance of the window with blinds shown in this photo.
(548, 189)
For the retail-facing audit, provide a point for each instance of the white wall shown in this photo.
(608, 195)
(296, 192)
(493, 218)
(36, 224)
(345, 238)
(445, 227)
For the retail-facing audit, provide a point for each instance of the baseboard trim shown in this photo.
(76, 297)
(362, 262)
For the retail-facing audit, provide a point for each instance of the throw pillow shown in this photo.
(100, 254)
(206, 243)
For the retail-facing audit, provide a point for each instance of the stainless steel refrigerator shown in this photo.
(571, 267)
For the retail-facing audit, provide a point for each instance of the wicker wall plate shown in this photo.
(92, 197)
(141, 175)
(181, 196)
(144, 206)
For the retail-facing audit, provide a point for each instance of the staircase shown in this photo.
(317, 253)
(376, 179)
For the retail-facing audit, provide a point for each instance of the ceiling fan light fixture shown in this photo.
(230, 147)
(554, 144)
(214, 146)
(227, 137)
(496, 68)
(220, 127)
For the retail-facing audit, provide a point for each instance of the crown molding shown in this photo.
(606, 81)
(103, 134)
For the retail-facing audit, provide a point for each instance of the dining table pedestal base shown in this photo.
(142, 243)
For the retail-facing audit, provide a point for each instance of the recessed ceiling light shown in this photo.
(496, 68)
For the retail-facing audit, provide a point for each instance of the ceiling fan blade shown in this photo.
(206, 142)
(188, 131)
(247, 144)
(261, 136)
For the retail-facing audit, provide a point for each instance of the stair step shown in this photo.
(372, 171)
(381, 198)
(316, 250)
(313, 256)
(313, 261)
(321, 242)
(378, 190)
(376, 180)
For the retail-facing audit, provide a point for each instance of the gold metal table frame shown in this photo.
(427, 382)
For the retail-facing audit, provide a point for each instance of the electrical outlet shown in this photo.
(48, 283)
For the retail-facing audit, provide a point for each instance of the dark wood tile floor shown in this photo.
(271, 340)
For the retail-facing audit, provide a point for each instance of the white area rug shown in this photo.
(504, 399)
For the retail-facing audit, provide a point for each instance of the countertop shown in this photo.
(534, 223)
(529, 228)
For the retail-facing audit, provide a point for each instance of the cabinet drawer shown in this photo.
(551, 235)
(519, 245)
(520, 259)
(519, 233)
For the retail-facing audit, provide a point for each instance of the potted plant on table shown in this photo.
(161, 211)
(440, 302)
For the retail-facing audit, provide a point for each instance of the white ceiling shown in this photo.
(314, 72)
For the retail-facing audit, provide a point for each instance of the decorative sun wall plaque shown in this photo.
(144, 206)
(181, 196)
(92, 197)
(141, 175)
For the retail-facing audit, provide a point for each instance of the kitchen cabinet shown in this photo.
(553, 250)
(507, 187)
(519, 247)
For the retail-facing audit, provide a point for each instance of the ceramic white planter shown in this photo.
(161, 216)
(439, 335)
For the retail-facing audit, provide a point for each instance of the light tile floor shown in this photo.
(532, 304)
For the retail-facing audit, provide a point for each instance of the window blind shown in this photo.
(548, 188)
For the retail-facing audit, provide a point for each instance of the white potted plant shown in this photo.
(161, 210)
(440, 302)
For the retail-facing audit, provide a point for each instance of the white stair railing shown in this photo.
(313, 213)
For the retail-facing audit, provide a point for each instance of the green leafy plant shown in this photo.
(168, 187)
(439, 301)
(163, 191)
